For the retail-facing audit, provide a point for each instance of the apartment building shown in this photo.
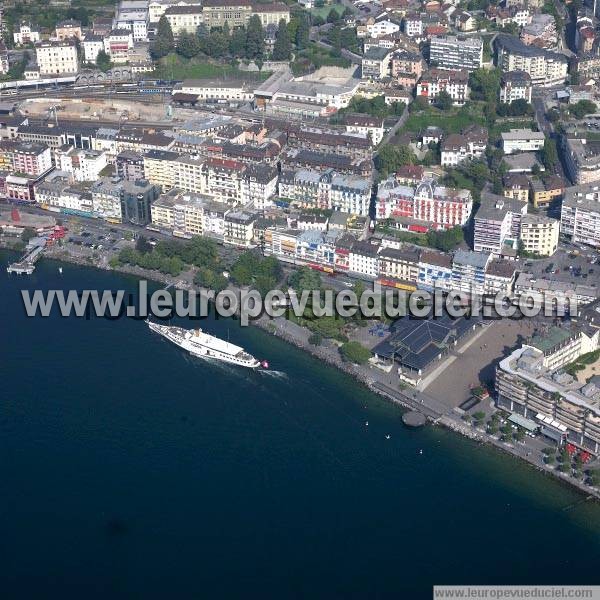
(239, 228)
(184, 18)
(117, 45)
(435, 271)
(428, 202)
(130, 165)
(468, 271)
(454, 83)
(133, 16)
(516, 185)
(106, 199)
(564, 409)
(57, 58)
(92, 45)
(365, 126)
(539, 234)
(582, 159)
(544, 67)
(326, 190)
(26, 158)
(399, 264)
(26, 35)
(522, 140)
(271, 13)
(515, 85)
(404, 61)
(180, 213)
(497, 223)
(551, 291)
(544, 192)
(363, 259)
(68, 29)
(456, 52)
(376, 63)
(83, 165)
(469, 144)
(580, 214)
(159, 168)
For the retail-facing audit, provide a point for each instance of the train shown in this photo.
(14, 86)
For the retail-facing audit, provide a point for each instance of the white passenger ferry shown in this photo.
(203, 345)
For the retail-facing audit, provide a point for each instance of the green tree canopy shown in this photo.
(391, 158)
(164, 42)
(355, 353)
(255, 38)
(282, 50)
(188, 45)
(103, 61)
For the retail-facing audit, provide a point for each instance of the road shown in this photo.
(545, 125)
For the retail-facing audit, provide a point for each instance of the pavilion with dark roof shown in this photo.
(417, 345)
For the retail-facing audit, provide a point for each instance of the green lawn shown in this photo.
(177, 68)
(323, 11)
(451, 121)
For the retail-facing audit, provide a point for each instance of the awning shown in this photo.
(523, 422)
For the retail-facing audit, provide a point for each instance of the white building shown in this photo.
(208, 90)
(515, 85)
(456, 52)
(92, 45)
(363, 259)
(26, 35)
(84, 165)
(454, 83)
(522, 140)
(106, 199)
(133, 19)
(380, 28)
(365, 126)
(57, 58)
(117, 45)
(184, 19)
(580, 214)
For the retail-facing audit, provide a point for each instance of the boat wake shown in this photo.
(273, 373)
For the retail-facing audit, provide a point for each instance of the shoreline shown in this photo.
(325, 353)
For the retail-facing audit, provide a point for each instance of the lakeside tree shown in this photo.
(164, 41)
(103, 61)
(211, 279)
(282, 50)
(304, 278)
(355, 353)
(251, 268)
(255, 38)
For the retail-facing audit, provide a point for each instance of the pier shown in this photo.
(26, 265)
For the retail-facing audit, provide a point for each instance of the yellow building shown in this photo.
(160, 168)
(543, 192)
(539, 234)
(180, 213)
(516, 185)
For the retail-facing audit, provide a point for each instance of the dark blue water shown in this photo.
(130, 470)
